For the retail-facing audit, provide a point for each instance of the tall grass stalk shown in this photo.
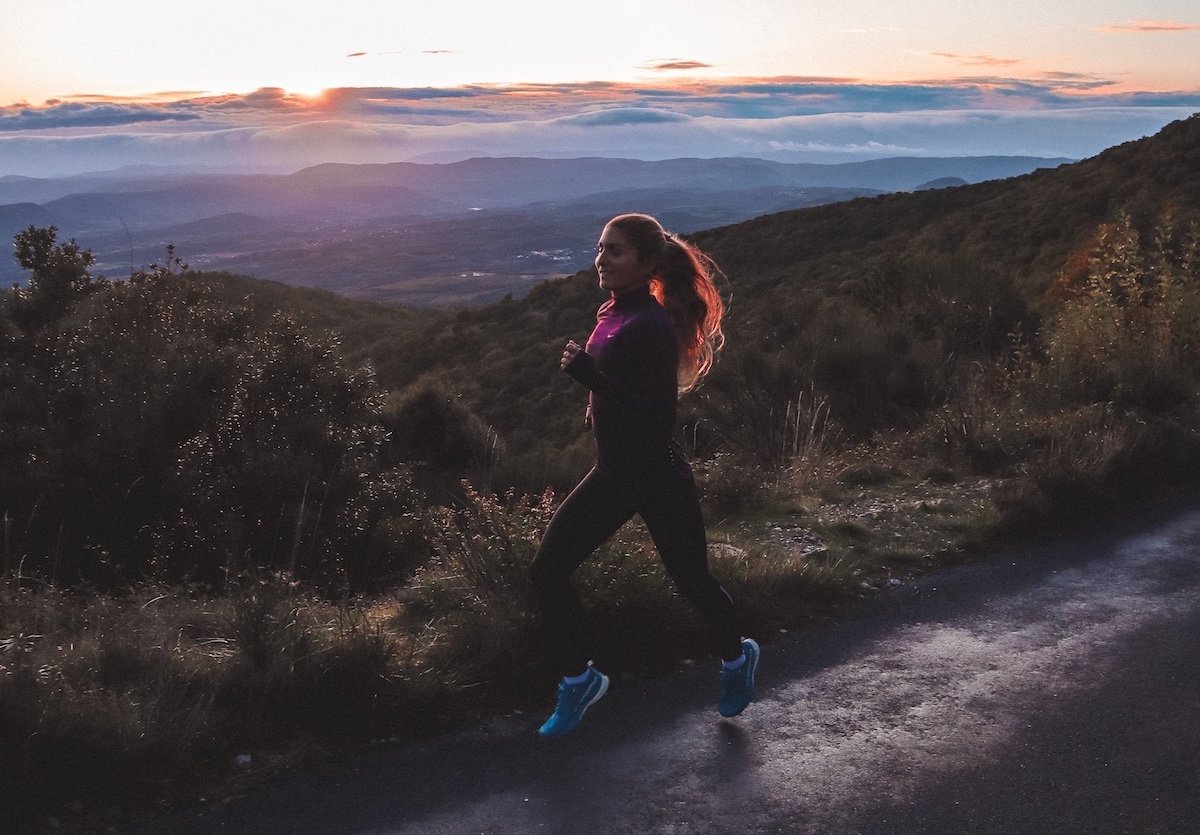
(299, 529)
(809, 437)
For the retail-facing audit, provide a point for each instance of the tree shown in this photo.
(59, 274)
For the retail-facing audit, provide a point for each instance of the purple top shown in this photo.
(630, 365)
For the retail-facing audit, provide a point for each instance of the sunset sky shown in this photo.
(86, 85)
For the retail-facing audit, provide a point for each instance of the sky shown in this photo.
(282, 84)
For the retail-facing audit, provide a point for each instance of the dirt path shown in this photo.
(1043, 690)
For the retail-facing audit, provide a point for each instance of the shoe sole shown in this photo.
(603, 689)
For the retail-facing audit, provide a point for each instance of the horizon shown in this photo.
(152, 169)
(92, 89)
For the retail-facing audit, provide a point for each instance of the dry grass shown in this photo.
(110, 702)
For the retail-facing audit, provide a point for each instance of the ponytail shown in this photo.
(684, 283)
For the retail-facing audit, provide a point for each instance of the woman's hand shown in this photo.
(568, 354)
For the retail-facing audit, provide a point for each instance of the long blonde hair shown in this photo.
(683, 282)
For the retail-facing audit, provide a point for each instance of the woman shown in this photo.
(656, 336)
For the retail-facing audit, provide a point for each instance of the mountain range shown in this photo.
(467, 231)
(859, 297)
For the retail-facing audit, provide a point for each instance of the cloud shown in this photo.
(977, 60)
(874, 149)
(830, 137)
(625, 116)
(262, 100)
(1148, 26)
(147, 98)
(798, 118)
(746, 98)
(81, 114)
(401, 52)
(675, 64)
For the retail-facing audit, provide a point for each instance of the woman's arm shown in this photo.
(650, 387)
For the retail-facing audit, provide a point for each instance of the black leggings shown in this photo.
(595, 510)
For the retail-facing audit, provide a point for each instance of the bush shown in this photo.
(475, 591)
(1128, 330)
(150, 429)
(728, 484)
(436, 431)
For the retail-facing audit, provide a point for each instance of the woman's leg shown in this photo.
(593, 512)
(672, 513)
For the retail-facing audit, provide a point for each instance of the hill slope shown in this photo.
(867, 298)
(1021, 228)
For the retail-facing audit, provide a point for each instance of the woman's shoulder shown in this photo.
(654, 314)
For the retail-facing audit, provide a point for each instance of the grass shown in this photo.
(107, 701)
(110, 704)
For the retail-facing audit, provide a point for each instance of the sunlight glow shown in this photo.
(389, 79)
(78, 47)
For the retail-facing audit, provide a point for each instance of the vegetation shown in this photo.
(228, 531)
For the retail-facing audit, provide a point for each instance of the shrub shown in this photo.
(729, 484)
(475, 592)
(435, 430)
(152, 429)
(1128, 332)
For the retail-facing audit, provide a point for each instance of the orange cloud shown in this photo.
(977, 60)
(161, 97)
(1144, 26)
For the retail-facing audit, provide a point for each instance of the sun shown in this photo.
(310, 93)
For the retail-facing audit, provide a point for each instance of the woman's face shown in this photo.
(620, 266)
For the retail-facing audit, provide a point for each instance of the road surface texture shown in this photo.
(1053, 689)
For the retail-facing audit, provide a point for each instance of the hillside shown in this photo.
(1019, 230)
(863, 301)
(862, 296)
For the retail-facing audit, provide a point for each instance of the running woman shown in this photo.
(655, 337)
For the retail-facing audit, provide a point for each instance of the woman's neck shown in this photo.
(630, 292)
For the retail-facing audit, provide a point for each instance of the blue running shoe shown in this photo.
(737, 686)
(573, 702)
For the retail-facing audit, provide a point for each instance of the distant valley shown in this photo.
(434, 234)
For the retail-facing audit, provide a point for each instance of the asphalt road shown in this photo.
(1053, 689)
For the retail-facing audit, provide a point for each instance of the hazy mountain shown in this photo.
(509, 181)
(477, 229)
(17, 216)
